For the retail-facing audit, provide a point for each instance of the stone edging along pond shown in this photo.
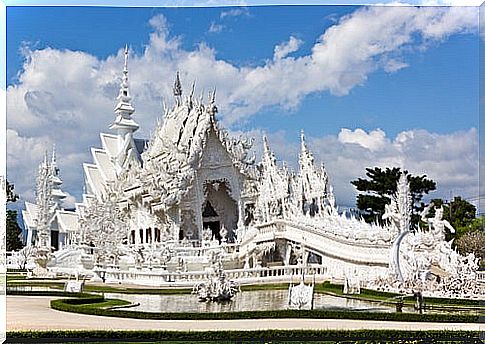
(88, 305)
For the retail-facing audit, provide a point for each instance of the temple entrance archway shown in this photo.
(219, 209)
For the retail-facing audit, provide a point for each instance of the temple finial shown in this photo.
(265, 145)
(124, 107)
(125, 69)
(46, 161)
(177, 87)
(54, 160)
(303, 142)
(53, 154)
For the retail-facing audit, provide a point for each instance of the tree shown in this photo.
(376, 192)
(13, 231)
(472, 241)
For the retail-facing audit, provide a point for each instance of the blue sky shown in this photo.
(434, 89)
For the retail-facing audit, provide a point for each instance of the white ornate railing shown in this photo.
(266, 274)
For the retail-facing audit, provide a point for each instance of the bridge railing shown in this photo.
(481, 276)
(189, 278)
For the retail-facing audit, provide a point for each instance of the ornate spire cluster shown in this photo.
(283, 193)
(313, 182)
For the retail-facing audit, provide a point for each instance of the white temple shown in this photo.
(46, 222)
(158, 211)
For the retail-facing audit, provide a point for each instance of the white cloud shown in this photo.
(67, 97)
(374, 140)
(282, 50)
(215, 28)
(235, 12)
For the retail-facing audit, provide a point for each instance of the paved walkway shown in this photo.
(34, 313)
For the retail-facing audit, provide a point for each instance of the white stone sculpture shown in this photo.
(301, 296)
(217, 287)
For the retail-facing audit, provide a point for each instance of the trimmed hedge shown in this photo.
(381, 336)
(76, 306)
(382, 295)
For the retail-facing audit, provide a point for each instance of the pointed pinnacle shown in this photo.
(177, 87)
(125, 69)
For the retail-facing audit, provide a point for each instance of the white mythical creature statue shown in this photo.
(424, 260)
(399, 212)
(436, 223)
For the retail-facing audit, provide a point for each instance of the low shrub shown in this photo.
(391, 297)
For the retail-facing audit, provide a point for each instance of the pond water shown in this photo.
(244, 301)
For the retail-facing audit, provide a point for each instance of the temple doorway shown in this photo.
(215, 227)
(55, 240)
(219, 209)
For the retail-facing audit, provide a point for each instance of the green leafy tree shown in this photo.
(380, 185)
(13, 231)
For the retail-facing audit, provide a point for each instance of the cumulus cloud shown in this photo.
(374, 140)
(67, 97)
(282, 50)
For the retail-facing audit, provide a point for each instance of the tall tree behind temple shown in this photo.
(376, 192)
(13, 230)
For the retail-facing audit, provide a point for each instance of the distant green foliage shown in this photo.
(11, 195)
(380, 185)
(13, 230)
(472, 241)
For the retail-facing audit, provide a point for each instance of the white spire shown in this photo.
(124, 109)
(55, 169)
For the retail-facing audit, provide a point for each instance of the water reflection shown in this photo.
(245, 301)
